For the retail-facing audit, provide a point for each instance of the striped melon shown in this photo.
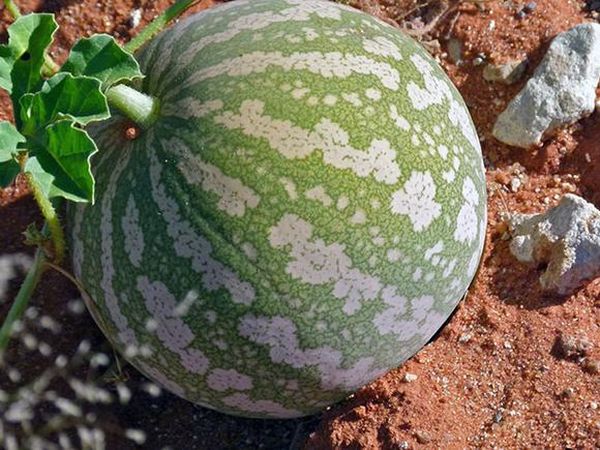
(305, 214)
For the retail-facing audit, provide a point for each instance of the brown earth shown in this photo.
(494, 377)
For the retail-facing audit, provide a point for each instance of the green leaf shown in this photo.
(22, 59)
(8, 172)
(101, 57)
(60, 162)
(10, 139)
(64, 96)
(6, 65)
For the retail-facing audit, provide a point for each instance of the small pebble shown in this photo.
(135, 18)
(423, 437)
(592, 366)
(477, 61)
(568, 392)
(572, 346)
(409, 377)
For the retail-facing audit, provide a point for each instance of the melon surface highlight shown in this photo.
(306, 213)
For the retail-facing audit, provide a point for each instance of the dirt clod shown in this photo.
(569, 347)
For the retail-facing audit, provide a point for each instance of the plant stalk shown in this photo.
(22, 300)
(12, 8)
(158, 24)
(52, 220)
(141, 108)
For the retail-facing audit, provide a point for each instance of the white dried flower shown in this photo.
(84, 347)
(18, 411)
(68, 407)
(137, 436)
(124, 393)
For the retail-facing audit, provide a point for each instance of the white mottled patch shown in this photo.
(250, 251)
(299, 93)
(449, 268)
(268, 407)
(437, 248)
(253, 21)
(310, 34)
(443, 151)
(126, 335)
(353, 98)
(373, 94)
(417, 274)
(319, 194)
(211, 316)
(172, 331)
(394, 255)
(330, 100)
(417, 200)
(189, 108)
(469, 192)
(328, 65)
(315, 262)
(294, 142)
(134, 236)
(400, 121)
(467, 222)
(382, 46)
(359, 217)
(423, 320)
(342, 202)
(290, 188)
(223, 380)
(449, 175)
(234, 197)
(280, 335)
(313, 100)
(435, 92)
(190, 245)
(378, 241)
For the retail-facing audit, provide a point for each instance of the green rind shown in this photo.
(259, 340)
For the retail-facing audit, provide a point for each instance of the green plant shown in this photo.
(52, 105)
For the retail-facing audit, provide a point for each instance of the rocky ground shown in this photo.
(517, 366)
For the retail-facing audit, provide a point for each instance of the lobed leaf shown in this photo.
(22, 59)
(64, 96)
(60, 162)
(10, 139)
(101, 57)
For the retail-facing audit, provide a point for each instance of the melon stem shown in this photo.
(141, 108)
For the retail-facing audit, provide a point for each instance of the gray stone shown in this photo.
(561, 91)
(507, 73)
(566, 238)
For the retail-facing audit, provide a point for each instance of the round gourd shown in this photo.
(306, 212)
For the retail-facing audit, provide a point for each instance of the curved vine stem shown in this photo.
(12, 8)
(158, 24)
(69, 277)
(52, 220)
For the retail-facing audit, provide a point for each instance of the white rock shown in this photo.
(566, 238)
(561, 91)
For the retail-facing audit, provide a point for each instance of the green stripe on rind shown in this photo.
(311, 268)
